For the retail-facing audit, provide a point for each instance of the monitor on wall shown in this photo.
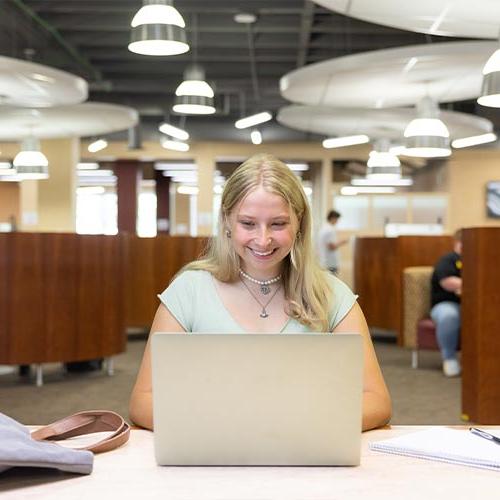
(493, 199)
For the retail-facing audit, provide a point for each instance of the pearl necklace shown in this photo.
(264, 284)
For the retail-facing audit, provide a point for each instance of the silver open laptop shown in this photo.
(257, 399)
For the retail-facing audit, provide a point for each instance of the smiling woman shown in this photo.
(260, 275)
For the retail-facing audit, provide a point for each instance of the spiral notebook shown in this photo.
(445, 444)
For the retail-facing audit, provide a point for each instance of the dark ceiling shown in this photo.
(90, 37)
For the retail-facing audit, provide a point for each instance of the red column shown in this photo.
(129, 174)
(162, 202)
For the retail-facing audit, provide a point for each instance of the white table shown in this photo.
(131, 472)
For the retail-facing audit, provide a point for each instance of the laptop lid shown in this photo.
(257, 399)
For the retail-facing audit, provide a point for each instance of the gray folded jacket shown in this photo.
(18, 449)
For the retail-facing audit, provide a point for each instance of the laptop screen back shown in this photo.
(257, 399)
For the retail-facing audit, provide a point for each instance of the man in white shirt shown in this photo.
(328, 244)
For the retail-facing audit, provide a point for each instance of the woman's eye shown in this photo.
(279, 224)
(246, 223)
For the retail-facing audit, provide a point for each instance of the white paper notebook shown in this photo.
(444, 444)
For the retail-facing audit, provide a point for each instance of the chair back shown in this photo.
(416, 301)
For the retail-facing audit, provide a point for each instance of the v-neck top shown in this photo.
(195, 303)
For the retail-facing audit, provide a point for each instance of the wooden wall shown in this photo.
(68, 297)
(480, 334)
(378, 267)
(60, 297)
(151, 263)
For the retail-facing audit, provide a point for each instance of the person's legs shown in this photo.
(446, 315)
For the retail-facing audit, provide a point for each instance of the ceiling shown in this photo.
(89, 38)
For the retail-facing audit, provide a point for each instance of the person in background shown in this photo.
(446, 289)
(328, 244)
(260, 275)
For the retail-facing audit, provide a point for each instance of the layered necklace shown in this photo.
(265, 289)
(263, 312)
(264, 284)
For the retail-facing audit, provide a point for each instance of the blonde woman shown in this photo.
(260, 275)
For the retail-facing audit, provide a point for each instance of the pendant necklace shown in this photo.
(264, 284)
(263, 313)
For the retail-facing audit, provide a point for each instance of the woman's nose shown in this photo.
(263, 237)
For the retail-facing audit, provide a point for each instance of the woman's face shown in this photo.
(263, 229)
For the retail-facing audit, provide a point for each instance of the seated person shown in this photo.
(446, 288)
(264, 276)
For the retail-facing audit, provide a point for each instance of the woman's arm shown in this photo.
(376, 398)
(141, 400)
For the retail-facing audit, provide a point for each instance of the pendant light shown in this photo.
(249, 19)
(490, 91)
(427, 136)
(30, 162)
(158, 30)
(194, 96)
(383, 168)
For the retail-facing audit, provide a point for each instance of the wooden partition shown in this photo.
(378, 268)
(480, 335)
(151, 263)
(60, 297)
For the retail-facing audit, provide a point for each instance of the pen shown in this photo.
(485, 435)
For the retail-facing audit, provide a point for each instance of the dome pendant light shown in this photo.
(490, 91)
(158, 30)
(194, 96)
(30, 162)
(427, 136)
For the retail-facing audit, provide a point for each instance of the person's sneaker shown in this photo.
(451, 367)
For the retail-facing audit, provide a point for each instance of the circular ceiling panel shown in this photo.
(463, 18)
(376, 123)
(389, 78)
(24, 83)
(79, 120)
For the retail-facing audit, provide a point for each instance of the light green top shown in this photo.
(195, 303)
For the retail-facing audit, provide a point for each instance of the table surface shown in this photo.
(131, 472)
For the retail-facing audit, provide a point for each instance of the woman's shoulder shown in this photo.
(192, 277)
(336, 284)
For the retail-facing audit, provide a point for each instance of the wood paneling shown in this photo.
(61, 297)
(480, 334)
(378, 274)
(68, 297)
(151, 263)
(375, 280)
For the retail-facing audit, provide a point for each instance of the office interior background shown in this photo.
(131, 164)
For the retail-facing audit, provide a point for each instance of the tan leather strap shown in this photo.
(87, 422)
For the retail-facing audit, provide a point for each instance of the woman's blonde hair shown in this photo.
(305, 283)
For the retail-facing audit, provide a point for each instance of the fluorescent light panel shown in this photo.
(474, 140)
(175, 166)
(298, 167)
(256, 137)
(95, 173)
(382, 181)
(350, 140)
(178, 133)
(175, 145)
(353, 190)
(87, 166)
(252, 120)
(97, 145)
